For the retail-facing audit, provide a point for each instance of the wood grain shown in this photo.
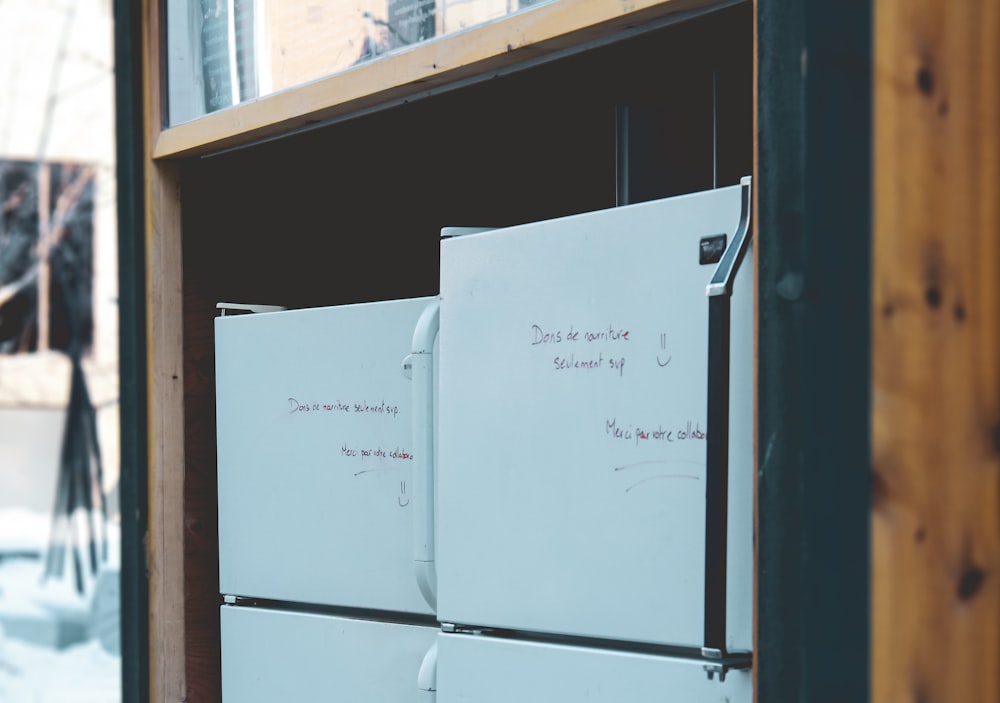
(936, 367)
(166, 441)
(165, 538)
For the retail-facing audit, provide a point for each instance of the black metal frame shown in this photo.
(814, 258)
(130, 138)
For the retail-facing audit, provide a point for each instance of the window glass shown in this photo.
(223, 52)
(59, 432)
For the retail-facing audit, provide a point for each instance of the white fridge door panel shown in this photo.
(270, 655)
(573, 386)
(315, 455)
(487, 670)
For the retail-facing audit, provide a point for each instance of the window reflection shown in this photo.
(222, 52)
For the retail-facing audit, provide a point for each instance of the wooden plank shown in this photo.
(936, 327)
(480, 50)
(166, 442)
(165, 539)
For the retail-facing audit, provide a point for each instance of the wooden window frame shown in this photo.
(537, 34)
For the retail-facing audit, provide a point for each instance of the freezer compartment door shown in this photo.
(488, 670)
(271, 655)
(572, 435)
(315, 455)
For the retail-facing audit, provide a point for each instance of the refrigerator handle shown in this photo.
(427, 676)
(420, 364)
(722, 280)
(719, 292)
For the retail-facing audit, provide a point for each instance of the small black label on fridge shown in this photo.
(711, 249)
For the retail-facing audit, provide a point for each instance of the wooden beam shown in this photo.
(936, 367)
(164, 363)
(478, 51)
(166, 440)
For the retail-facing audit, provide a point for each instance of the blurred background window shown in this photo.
(59, 424)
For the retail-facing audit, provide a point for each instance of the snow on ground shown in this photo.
(83, 673)
(29, 671)
(23, 530)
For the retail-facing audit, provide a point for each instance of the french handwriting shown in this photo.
(540, 335)
(577, 359)
(363, 453)
(638, 433)
(614, 364)
(383, 407)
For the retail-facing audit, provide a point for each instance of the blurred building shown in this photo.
(58, 268)
(58, 299)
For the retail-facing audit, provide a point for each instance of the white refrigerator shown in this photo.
(576, 523)
(316, 503)
(594, 495)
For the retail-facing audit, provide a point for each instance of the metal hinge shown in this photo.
(721, 662)
(237, 600)
(452, 628)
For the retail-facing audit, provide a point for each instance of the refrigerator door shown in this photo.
(488, 670)
(315, 456)
(572, 445)
(273, 655)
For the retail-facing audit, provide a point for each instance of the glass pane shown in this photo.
(223, 52)
(59, 432)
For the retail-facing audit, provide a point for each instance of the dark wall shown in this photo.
(353, 211)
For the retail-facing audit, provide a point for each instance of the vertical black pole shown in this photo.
(130, 128)
(717, 473)
(814, 388)
(622, 147)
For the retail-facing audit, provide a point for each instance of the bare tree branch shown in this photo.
(9, 290)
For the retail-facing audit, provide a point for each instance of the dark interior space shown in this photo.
(352, 212)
